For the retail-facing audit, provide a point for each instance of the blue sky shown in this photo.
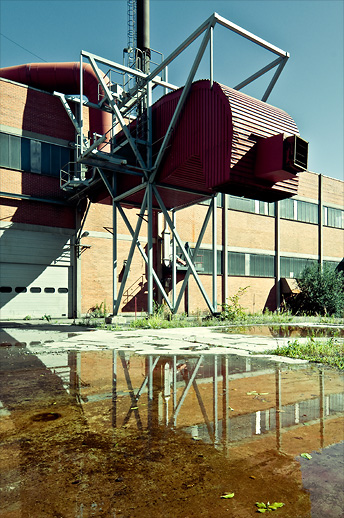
(310, 88)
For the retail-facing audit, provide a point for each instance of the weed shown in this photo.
(98, 310)
(46, 317)
(233, 310)
(28, 317)
(329, 352)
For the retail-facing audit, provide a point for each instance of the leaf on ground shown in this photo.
(261, 505)
(276, 505)
(263, 393)
(253, 393)
(306, 456)
(261, 510)
(228, 495)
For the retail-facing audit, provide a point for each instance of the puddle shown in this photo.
(111, 434)
(285, 330)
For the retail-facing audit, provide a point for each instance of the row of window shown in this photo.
(24, 289)
(296, 210)
(33, 156)
(252, 265)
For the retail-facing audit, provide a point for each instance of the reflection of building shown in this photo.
(253, 402)
(107, 402)
(49, 267)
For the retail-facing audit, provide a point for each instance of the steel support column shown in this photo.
(181, 245)
(150, 248)
(214, 239)
(114, 246)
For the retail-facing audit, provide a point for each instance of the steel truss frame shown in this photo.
(121, 107)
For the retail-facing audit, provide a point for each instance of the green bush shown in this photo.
(233, 310)
(321, 291)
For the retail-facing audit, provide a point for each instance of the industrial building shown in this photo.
(73, 238)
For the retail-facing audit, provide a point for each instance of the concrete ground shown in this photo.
(70, 335)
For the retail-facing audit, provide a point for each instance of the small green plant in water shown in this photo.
(263, 508)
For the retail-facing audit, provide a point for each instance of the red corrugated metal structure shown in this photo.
(224, 141)
(214, 146)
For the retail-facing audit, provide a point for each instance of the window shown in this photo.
(63, 290)
(49, 290)
(333, 217)
(242, 204)
(35, 290)
(267, 209)
(31, 155)
(20, 289)
(287, 208)
(262, 265)
(307, 212)
(236, 264)
(203, 260)
(5, 289)
(291, 267)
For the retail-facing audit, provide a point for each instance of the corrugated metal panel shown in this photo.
(200, 149)
(214, 143)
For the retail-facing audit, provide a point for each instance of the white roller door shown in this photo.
(35, 274)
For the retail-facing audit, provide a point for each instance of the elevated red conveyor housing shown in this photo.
(224, 141)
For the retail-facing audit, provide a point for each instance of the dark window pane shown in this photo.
(49, 290)
(45, 165)
(5, 289)
(25, 154)
(65, 157)
(63, 290)
(20, 289)
(35, 290)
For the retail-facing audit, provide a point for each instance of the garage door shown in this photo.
(35, 275)
(47, 294)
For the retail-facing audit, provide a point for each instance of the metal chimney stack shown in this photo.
(143, 35)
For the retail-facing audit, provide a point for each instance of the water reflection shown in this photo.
(113, 421)
(288, 331)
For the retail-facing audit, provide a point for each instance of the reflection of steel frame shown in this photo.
(120, 108)
(217, 425)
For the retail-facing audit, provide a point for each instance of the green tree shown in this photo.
(321, 291)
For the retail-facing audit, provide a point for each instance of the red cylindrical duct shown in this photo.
(63, 78)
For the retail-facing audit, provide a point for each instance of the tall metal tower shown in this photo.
(132, 40)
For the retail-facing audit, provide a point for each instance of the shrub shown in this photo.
(321, 291)
(233, 310)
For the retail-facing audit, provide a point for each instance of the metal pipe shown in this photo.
(143, 32)
(4, 194)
